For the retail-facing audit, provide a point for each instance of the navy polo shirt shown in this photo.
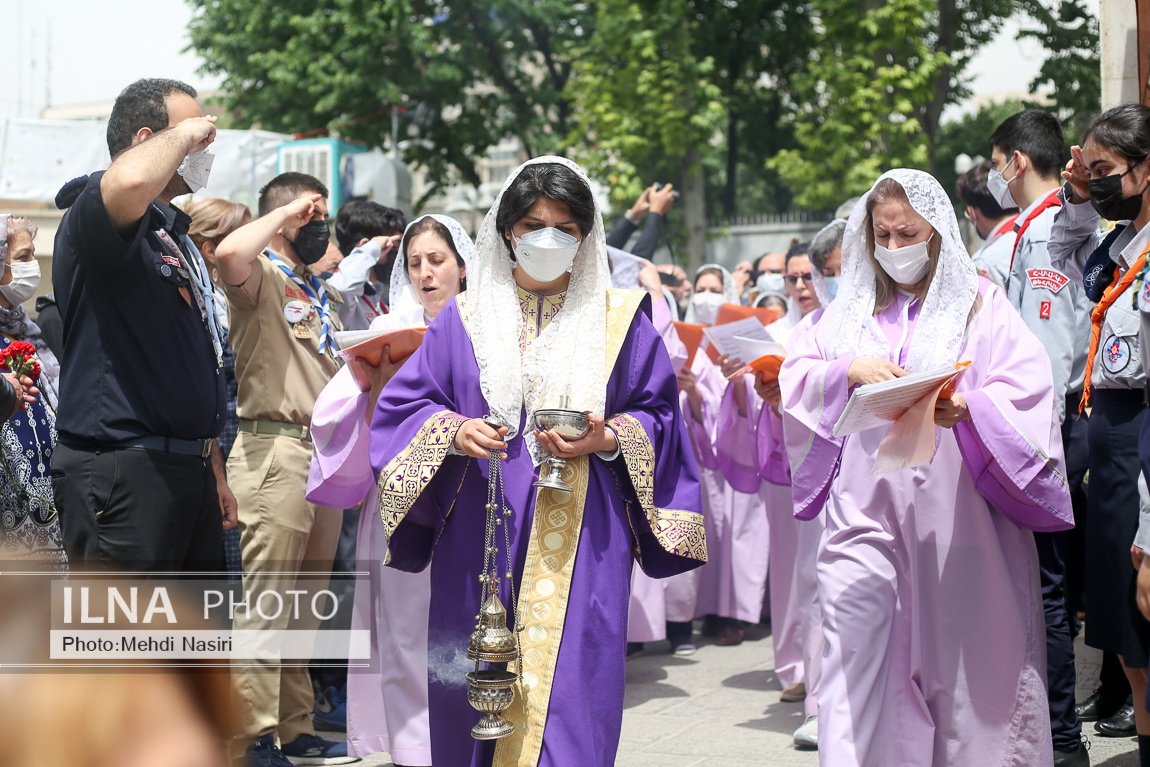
(138, 360)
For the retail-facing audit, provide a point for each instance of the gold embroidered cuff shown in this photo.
(678, 532)
(408, 473)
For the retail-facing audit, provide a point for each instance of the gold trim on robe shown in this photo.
(679, 532)
(406, 475)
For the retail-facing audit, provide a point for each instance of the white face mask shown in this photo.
(196, 168)
(1000, 187)
(707, 307)
(545, 254)
(906, 265)
(25, 280)
(769, 282)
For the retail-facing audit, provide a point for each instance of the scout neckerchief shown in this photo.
(1099, 313)
(318, 295)
(204, 295)
(1051, 201)
(1002, 229)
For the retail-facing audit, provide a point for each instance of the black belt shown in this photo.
(200, 447)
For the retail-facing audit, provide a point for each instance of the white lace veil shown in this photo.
(850, 327)
(730, 295)
(404, 301)
(569, 357)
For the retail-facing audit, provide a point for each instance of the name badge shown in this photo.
(294, 311)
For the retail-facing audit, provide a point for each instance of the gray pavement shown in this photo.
(721, 708)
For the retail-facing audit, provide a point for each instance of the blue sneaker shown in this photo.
(312, 749)
(263, 752)
(331, 710)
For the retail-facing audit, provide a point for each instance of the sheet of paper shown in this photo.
(880, 403)
(754, 348)
(722, 337)
(910, 440)
(345, 339)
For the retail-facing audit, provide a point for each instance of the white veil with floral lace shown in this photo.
(569, 357)
(849, 324)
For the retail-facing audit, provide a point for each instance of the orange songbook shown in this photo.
(735, 312)
(691, 335)
(369, 345)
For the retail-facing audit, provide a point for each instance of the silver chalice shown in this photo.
(568, 424)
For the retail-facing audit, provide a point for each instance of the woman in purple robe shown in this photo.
(927, 576)
(538, 323)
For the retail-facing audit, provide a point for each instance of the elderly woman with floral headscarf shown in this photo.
(29, 524)
(387, 711)
(538, 326)
(927, 575)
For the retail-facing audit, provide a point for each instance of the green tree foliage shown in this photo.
(469, 74)
(1070, 35)
(861, 100)
(969, 135)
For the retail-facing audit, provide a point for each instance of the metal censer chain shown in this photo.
(491, 691)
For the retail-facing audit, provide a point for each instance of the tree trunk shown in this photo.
(694, 199)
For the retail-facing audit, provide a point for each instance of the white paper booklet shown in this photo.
(751, 349)
(722, 337)
(880, 403)
(345, 339)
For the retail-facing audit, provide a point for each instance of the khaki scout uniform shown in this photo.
(275, 334)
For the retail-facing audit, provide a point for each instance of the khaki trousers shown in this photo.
(280, 532)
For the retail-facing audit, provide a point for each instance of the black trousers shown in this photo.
(140, 510)
(1065, 729)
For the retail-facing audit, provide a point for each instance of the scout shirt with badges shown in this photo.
(992, 260)
(282, 319)
(1050, 301)
(142, 352)
(1075, 237)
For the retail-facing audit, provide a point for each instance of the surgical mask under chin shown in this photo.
(25, 281)
(1000, 187)
(545, 254)
(311, 241)
(706, 307)
(1111, 202)
(906, 265)
(196, 168)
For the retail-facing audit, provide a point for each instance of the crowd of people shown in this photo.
(189, 410)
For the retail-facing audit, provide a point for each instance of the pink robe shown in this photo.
(654, 601)
(386, 712)
(796, 619)
(928, 577)
(733, 583)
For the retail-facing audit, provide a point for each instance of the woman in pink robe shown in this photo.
(387, 711)
(733, 583)
(927, 576)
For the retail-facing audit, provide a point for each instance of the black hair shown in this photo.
(429, 224)
(670, 280)
(1038, 135)
(545, 180)
(286, 187)
(825, 242)
(1124, 130)
(141, 105)
(364, 219)
(797, 249)
(973, 191)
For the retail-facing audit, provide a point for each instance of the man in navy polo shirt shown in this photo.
(137, 474)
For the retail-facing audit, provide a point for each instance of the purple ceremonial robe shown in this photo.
(438, 517)
(928, 576)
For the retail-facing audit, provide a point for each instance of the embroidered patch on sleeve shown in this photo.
(1050, 279)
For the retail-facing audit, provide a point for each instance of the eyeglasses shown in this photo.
(793, 279)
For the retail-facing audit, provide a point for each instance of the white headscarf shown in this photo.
(730, 295)
(851, 329)
(818, 279)
(405, 306)
(4, 238)
(569, 357)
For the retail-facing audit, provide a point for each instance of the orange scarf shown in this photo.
(1109, 296)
